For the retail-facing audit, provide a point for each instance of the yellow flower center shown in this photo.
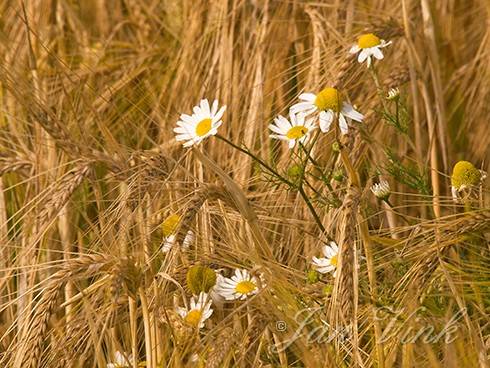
(464, 173)
(296, 132)
(203, 127)
(245, 287)
(193, 317)
(368, 40)
(334, 260)
(328, 99)
(170, 225)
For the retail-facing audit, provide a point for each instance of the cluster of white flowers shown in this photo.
(326, 107)
(314, 110)
(240, 286)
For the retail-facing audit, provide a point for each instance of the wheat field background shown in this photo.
(90, 92)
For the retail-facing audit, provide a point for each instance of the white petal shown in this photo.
(354, 49)
(282, 123)
(279, 136)
(377, 53)
(297, 119)
(182, 129)
(205, 107)
(320, 262)
(454, 193)
(344, 128)
(276, 129)
(326, 119)
(181, 311)
(187, 118)
(214, 108)
(291, 144)
(220, 113)
(310, 97)
(349, 111)
(198, 111)
(363, 55)
(306, 107)
(328, 251)
(326, 269)
(384, 43)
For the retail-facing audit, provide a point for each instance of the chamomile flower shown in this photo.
(239, 286)
(169, 228)
(329, 262)
(120, 361)
(199, 311)
(381, 190)
(465, 177)
(297, 129)
(329, 104)
(369, 45)
(170, 241)
(203, 123)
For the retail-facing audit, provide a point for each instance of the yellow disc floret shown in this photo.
(334, 260)
(245, 287)
(193, 317)
(203, 127)
(170, 225)
(296, 132)
(328, 99)
(368, 40)
(465, 174)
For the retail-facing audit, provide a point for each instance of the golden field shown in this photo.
(122, 248)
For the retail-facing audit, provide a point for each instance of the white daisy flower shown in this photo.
(381, 190)
(203, 123)
(295, 130)
(198, 312)
(329, 263)
(170, 241)
(239, 286)
(120, 361)
(330, 105)
(369, 45)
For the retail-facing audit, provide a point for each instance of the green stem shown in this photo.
(284, 180)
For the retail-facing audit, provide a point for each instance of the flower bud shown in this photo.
(381, 190)
(393, 94)
(169, 226)
(338, 174)
(200, 279)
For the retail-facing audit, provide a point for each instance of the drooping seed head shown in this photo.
(200, 279)
(465, 174)
(169, 225)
